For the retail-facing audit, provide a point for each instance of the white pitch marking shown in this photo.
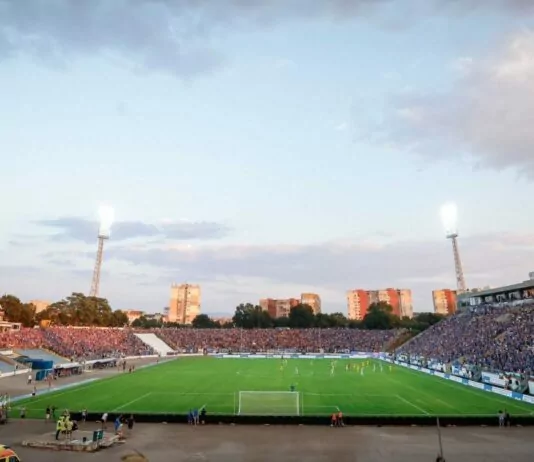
(132, 401)
(412, 404)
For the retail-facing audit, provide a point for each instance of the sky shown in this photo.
(264, 149)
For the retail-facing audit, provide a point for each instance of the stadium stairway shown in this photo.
(154, 342)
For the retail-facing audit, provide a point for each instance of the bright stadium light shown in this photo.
(107, 215)
(449, 217)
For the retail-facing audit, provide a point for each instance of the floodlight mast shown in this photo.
(106, 219)
(449, 214)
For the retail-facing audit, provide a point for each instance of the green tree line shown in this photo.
(75, 310)
(80, 310)
(249, 316)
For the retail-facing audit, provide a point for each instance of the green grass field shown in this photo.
(179, 385)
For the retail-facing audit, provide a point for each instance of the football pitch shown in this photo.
(263, 387)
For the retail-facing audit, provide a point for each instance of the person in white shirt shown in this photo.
(104, 419)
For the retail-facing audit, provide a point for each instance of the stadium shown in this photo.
(284, 375)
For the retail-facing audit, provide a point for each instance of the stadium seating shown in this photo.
(498, 337)
(77, 343)
(311, 340)
(94, 343)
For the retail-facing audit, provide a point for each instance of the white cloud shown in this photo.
(486, 116)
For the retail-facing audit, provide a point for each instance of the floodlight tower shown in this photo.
(106, 214)
(449, 216)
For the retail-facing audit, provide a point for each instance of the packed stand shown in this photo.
(496, 338)
(77, 343)
(264, 340)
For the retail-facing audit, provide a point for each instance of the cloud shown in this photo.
(80, 229)
(176, 36)
(139, 277)
(486, 116)
(421, 266)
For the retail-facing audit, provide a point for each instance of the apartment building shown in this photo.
(133, 315)
(444, 301)
(312, 300)
(40, 305)
(278, 308)
(185, 303)
(359, 301)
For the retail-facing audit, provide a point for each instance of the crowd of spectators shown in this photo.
(499, 337)
(96, 343)
(302, 340)
(77, 343)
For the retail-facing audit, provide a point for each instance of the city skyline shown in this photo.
(240, 154)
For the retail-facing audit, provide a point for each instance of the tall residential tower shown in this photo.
(185, 303)
(444, 301)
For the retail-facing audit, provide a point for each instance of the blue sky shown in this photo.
(264, 150)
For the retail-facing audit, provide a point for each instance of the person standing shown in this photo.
(131, 422)
(104, 420)
(59, 427)
(507, 422)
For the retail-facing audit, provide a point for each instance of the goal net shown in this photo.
(269, 403)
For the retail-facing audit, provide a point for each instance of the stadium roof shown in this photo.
(529, 284)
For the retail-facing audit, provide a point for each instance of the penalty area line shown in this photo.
(146, 395)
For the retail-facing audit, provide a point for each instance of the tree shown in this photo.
(322, 320)
(338, 320)
(281, 322)
(79, 310)
(354, 324)
(203, 321)
(145, 323)
(421, 321)
(249, 316)
(301, 316)
(16, 311)
(380, 316)
(119, 318)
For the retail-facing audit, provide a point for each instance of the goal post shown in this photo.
(283, 403)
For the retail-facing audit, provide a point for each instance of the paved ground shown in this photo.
(17, 384)
(177, 443)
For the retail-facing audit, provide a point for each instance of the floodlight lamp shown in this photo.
(106, 214)
(449, 217)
